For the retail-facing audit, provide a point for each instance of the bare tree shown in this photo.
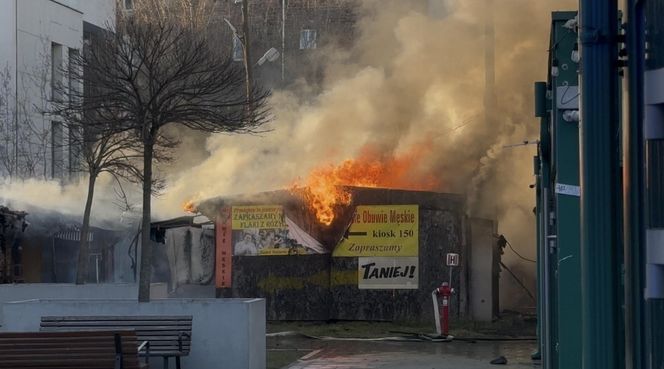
(150, 73)
(193, 14)
(93, 149)
(36, 131)
(25, 132)
(8, 128)
(114, 154)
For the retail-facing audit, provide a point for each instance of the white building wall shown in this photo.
(7, 76)
(8, 34)
(45, 32)
(98, 12)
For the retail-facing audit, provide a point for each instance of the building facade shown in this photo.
(37, 39)
(296, 28)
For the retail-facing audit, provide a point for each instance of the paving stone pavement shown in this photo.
(425, 355)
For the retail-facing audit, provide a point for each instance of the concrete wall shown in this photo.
(97, 12)
(322, 287)
(35, 291)
(194, 291)
(294, 287)
(440, 233)
(101, 13)
(483, 270)
(226, 333)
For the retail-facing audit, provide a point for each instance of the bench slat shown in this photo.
(114, 318)
(163, 332)
(72, 350)
(152, 324)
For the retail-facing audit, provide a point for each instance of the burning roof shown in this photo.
(327, 187)
(297, 207)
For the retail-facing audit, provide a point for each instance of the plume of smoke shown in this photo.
(410, 79)
(111, 208)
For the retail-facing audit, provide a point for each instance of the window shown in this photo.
(57, 150)
(73, 84)
(75, 146)
(307, 39)
(238, 49)
(129, 4)
(56, 71)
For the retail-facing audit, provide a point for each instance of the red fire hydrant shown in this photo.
(443, 313)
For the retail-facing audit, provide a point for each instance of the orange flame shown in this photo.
(190, 207)
(323, 189)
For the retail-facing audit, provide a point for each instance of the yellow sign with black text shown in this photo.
(381, 230)
(262, 231)
(258, 217)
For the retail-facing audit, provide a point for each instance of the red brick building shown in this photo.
(296, 28)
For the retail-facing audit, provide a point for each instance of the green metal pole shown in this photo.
(598, 28)
(633, 189)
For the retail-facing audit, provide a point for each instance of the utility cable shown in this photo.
(502, 241)
(519, 255)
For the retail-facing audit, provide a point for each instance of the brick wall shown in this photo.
(332, 20)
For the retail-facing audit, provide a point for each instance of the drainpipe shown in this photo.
(633, 189)
(16, 124)
(599, 170)
(283, 41)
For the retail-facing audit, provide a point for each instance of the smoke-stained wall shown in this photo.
(441, 231)
(325, 286)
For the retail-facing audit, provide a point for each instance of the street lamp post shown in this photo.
(246, 43)
(270, 55)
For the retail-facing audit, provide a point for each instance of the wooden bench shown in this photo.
(167, 336)
(69, 350)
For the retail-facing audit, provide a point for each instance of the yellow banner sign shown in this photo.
(381, 230)
(262, 231)
(258, 217)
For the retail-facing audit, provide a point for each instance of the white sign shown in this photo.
(565, 189)
(387, 273)
(452, 260)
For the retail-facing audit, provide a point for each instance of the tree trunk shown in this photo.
(82, 270)
(145, 274)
